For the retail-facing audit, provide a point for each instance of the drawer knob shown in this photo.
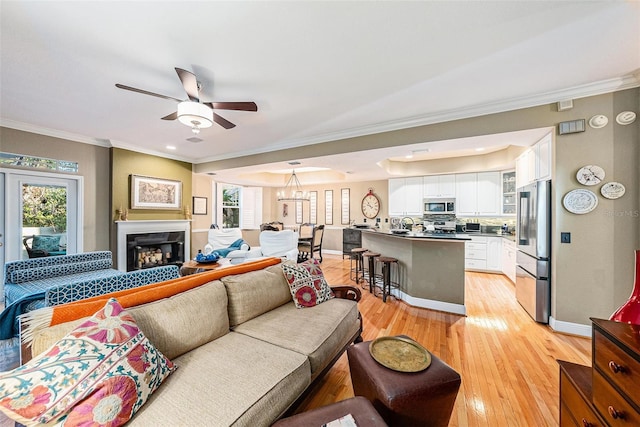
(586, 423)
(614, 413)
(615, 368)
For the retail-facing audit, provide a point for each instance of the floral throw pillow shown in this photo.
(101, 373)
(307, 283)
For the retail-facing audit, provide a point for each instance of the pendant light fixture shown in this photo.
(292, 191)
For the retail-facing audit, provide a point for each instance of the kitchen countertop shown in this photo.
(455, 236)
(420, 235)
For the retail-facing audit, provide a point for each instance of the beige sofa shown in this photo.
(245, 353)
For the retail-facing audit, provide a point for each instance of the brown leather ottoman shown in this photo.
(423, 398)
(359, 407)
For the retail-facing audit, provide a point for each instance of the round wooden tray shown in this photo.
(400, 354)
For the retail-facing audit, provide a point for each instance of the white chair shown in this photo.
(278, 244)
(224, 237)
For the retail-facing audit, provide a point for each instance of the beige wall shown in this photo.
(93, 164)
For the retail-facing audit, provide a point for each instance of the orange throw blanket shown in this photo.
(148, 293)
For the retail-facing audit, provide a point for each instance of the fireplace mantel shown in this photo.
(150, 226)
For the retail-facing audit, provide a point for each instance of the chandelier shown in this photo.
(292, 191)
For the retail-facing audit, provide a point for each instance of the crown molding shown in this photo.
(576, 92)
(55, 133)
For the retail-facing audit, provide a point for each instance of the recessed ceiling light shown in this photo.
(171, 147)
(409, 156)
(480, 149)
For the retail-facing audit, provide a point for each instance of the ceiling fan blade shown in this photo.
(190, 83)
(146, 92)
(171, 116)
(223, 122)
(242, 106)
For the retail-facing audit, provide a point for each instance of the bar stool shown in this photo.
(356, 255)
(386, 275)
(372, 268)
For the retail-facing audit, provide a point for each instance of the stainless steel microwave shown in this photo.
(439, 206)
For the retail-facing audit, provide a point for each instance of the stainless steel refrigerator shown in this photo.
(533, 259)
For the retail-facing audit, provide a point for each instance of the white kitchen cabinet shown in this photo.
(543, 158)
(535, 163)
(509, 259)
(439, 186)
(478, 194)
(494, 254)
(475, 253)
(405, 196)
(483, 253)
(508, 179)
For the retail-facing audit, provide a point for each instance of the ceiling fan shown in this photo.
(192, 112)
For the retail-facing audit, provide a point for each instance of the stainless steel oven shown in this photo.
(439, 206)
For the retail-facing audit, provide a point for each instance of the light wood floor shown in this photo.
(506, 360)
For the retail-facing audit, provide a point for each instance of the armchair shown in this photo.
(222, 239)
(279, 244)
(39, 246)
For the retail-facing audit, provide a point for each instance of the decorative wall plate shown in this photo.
(590, 175)
(612, 190)
(580, 201)
(626, 118)
(598, 121)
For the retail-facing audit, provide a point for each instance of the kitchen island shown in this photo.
(430, 270)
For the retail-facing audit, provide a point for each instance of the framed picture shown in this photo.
(313, 207)
(199, 205)
(299, 208)
(346, 208)
(155, 193)
(328, 207)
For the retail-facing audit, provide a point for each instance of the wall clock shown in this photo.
(370, 205)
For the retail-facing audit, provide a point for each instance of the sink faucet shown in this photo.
(404, 225)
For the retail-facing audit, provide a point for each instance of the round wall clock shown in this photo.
(370, 205)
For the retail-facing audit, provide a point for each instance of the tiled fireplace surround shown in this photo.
(125, 228)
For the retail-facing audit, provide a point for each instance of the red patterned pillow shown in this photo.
(307, 283)
(101, 373)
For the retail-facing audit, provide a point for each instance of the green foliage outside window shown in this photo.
(44, 207)
(230, 207)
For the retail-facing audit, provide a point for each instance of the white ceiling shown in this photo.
(318, 71)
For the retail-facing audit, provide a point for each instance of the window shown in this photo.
(239, 207)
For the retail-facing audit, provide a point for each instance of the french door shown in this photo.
(48, 205)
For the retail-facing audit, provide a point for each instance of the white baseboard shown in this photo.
(430, 304)
(570, 328)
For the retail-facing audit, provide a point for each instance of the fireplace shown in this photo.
(148, 250)
(146, 244)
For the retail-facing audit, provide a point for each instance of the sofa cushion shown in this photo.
(318, 332)
(23, 264)
(306, 283)
(235, 380)
(101, 372)
(46, 243)
(185, 321)
(256, 292)
(38, 273)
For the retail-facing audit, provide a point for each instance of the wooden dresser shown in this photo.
(608, 393)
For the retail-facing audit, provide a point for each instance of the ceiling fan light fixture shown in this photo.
(195, 115)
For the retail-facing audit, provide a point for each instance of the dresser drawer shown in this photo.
(574, 405)
(617, 366)
(612, 406)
